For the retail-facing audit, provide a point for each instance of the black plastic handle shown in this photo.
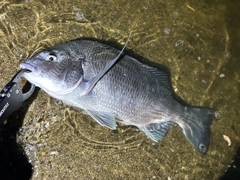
(12, 97)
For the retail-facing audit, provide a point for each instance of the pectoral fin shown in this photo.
(92, 82)
(103, 118)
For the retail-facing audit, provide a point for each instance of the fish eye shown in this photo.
(51, 57)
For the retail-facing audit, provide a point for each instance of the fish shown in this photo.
(111, 86)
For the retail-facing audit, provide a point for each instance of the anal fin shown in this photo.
(156, 131)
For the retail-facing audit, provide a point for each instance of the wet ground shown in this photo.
(198, 41)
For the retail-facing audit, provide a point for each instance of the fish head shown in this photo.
(57, 71)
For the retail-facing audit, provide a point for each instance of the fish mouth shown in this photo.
(29, 67)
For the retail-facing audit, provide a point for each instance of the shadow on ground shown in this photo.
(14, 163)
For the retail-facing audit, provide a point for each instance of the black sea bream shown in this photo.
(110, 86)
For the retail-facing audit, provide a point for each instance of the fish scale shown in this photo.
(108, 85)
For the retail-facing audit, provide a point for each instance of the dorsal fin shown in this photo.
(162, 76)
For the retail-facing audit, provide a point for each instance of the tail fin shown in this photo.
(196, 127)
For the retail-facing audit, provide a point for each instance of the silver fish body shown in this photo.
(129, 91)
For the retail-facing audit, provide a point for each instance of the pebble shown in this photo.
(226, 138)
(227, 55)
(145, 7)
(179, 43)
(217, 115)
(79, 16)
(167, 30)
(222, 75)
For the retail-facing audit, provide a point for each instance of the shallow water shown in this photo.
(199, 43)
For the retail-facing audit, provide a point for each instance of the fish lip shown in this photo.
(28, 66)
